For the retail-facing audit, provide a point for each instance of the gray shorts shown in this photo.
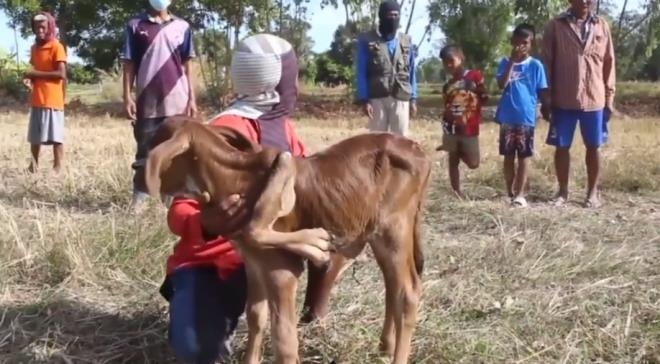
(46, 126)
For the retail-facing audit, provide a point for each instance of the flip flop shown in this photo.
(558, 201)
(519, 202)
(592, 204)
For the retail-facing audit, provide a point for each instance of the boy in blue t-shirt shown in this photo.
(522, 79)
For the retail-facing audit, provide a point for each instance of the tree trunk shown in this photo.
(410, 16)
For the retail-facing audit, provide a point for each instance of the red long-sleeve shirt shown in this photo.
(184, 221)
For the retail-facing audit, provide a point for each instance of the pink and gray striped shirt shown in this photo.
(579, 60)
(159, 51)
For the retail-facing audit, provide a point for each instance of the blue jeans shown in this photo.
(593, 127)
(204, 312)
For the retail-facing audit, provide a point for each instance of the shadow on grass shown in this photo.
(81, 203)
(64, 331)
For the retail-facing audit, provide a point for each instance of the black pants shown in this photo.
(143, 131)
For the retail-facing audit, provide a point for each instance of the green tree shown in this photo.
(478, 26)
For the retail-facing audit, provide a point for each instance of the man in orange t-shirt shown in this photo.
(46, 79)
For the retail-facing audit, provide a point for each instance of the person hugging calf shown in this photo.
(463, 95)
(206, 282)
(522, 78)
(47, 83)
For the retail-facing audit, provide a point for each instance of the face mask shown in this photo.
(388, 26)
(160, 5)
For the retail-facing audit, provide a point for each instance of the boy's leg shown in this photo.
(508, 151)
(34, 138)
(56, 137)
(454, 174)
(469, 151)
(592, 128)
(58, 156)
(34, 163)
(450, 143)
(560, 136)
(143, 131)
(198, 324)
(524, 151)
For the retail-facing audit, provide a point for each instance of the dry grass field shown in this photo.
(79, 276)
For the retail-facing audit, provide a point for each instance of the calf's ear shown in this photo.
(160, 159)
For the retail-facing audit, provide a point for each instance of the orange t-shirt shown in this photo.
(183, 216)
(48, 93)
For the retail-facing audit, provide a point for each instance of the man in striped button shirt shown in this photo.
(579, 57)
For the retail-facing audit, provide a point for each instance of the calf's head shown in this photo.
(206, 161)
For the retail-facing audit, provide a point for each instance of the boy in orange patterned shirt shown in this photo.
(47, 81)
(463, 94)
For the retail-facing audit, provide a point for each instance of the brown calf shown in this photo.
(366, 189)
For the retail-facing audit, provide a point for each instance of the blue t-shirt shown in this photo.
(520, 96)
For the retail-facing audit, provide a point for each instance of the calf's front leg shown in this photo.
(281, 281)
(276, 200)
(256, 310)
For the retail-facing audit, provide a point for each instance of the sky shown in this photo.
(324, 22)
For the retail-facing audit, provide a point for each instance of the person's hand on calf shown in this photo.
(224, 218)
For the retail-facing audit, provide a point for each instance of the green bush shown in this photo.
(11, 77)
(82, 74)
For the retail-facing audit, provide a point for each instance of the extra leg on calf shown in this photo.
(320, 281)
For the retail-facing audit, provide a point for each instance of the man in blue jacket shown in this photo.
(385, 72)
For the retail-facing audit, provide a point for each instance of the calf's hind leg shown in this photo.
(403, 289)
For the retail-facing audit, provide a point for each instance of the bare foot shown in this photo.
(440, 148)
(32, 168)
(459, 195)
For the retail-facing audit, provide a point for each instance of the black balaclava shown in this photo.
(386, 25)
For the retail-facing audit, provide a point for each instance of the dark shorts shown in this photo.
(143, 131)
(593, 127)
(204, 312)
(516, 140)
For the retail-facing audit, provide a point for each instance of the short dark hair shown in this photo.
(451, 50)
(524, 30)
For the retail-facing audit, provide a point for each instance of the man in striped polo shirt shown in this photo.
(158, 47)
(579, 57)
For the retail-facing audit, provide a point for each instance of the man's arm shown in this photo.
(58, 74)
(187, 54)
(609, 69)
(548, 51)
(413, 74)
(129, 77)
(361, 64)
(128, 60)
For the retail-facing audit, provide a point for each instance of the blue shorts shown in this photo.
(204, 312)
(516, 140)
(593, 127)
